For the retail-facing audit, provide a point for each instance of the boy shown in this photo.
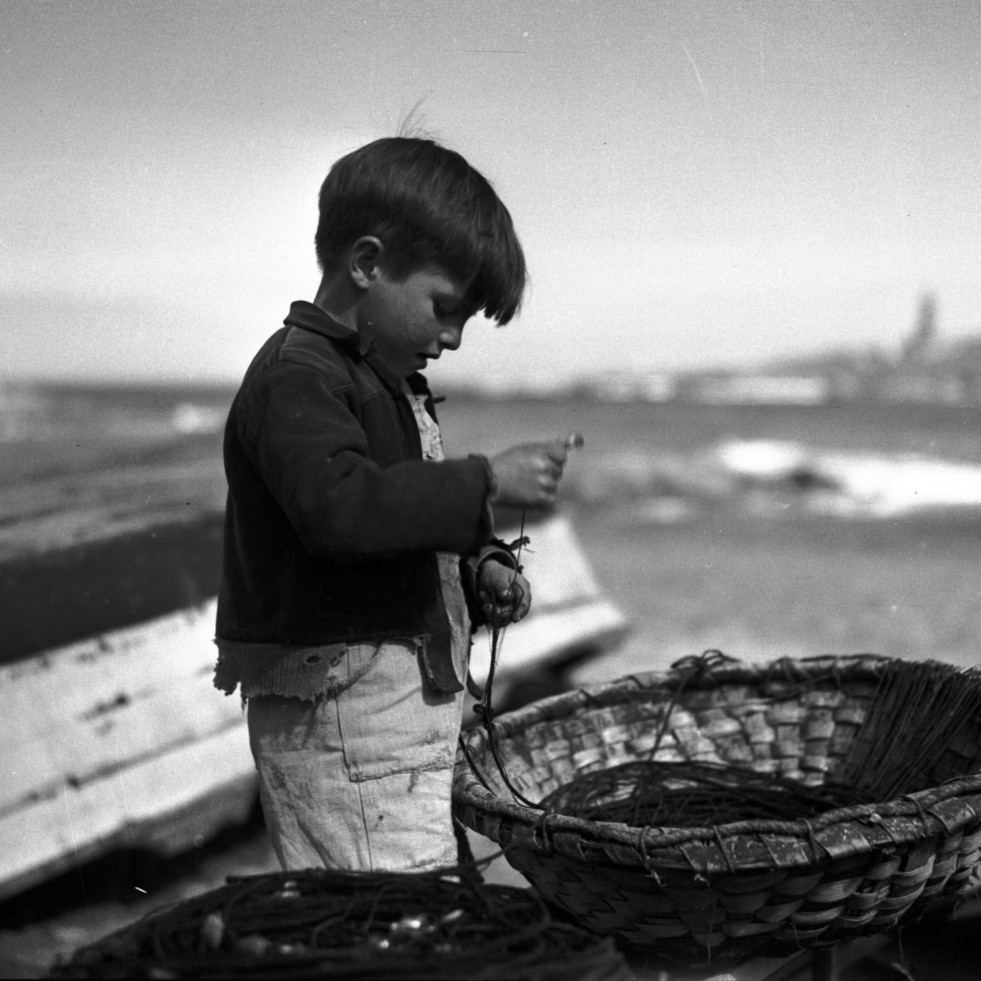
(357, 561)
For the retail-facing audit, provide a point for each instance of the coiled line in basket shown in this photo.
(351, 925)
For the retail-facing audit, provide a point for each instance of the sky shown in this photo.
(696, 183)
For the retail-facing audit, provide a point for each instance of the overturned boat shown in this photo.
(116, 738)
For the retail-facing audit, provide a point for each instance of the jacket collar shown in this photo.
(417, 384)
(308, 316)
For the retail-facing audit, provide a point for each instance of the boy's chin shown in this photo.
(406, 366)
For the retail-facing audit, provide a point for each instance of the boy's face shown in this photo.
(415, 319)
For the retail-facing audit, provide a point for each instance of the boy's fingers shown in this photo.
(556, 451)
(511, 602)
(523, 606)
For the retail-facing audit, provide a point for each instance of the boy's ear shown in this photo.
(363, 260)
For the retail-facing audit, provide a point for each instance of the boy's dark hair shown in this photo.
(427, 205)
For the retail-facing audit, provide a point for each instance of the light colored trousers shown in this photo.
(361, 780)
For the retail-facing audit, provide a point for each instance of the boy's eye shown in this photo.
(440, 309)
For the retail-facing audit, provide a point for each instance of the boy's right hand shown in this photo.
(528, 475)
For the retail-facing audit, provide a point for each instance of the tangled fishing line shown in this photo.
(691, 794)
(354, 925)
(914, 716)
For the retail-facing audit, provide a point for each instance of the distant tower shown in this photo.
(919, 343)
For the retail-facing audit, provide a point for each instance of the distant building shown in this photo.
(920, 344)
(753, 389)
(632, 386)
(533, 385)
(906, 383)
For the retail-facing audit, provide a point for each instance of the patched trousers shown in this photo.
(361, 780)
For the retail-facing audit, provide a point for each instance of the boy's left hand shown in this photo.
(504, 593)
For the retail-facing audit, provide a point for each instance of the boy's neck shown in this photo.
(336, 298)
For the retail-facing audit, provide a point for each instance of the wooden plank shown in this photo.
(161, 804)
(54, 598)
(150, 654)
(83, 553)
(67, 510)
(93, 711)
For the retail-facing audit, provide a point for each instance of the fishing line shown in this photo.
(484, 706)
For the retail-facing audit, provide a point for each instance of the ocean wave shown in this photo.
(873, 484)
(769, 477)
(189, 418)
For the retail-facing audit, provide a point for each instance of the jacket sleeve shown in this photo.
(312, 454)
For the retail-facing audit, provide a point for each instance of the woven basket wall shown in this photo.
(752, 886)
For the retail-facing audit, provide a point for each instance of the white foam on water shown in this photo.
(871, 483)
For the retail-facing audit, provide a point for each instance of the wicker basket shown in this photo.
(752, 887)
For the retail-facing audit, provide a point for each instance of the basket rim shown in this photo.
(849, 830)
(841, 667)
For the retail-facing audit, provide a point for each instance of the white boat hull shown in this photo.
(121, 740)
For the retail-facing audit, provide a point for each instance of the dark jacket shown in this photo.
(333, 518)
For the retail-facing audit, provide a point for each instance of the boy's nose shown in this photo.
(450, 338)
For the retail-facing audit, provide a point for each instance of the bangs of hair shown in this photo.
(428, 206)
